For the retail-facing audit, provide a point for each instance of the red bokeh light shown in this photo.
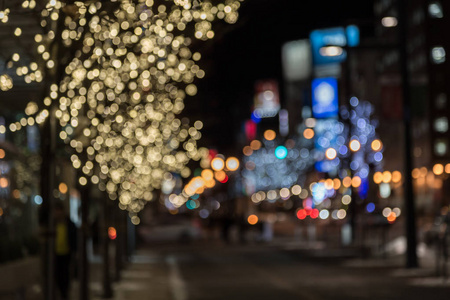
(112, 233)
(225, 180)
(314, 213)
(301, 214)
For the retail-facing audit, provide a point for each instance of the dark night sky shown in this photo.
(250, 50)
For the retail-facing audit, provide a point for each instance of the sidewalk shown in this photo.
(21, 279)
(148, 275)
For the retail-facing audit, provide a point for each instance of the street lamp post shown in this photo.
(411, 250)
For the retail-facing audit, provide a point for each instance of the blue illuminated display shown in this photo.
(281, 152)
(338, 36)
(352, 33)
(325, 98)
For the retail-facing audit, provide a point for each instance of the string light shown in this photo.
(125, 87)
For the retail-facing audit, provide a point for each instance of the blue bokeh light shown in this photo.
(281, 152)
(191, 204)
(343, 150)
(38, 200)
(354, 101)
(204, 213)
(370, 207)
(378, 156)
(256, 117)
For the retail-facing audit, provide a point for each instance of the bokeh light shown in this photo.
(270, 135)
(232, 163)
(281, 152)
(308, 133)
(217, 164)
(355, 145)
(252, 219)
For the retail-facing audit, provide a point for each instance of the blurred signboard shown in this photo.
(338, 36)
(297, 60)
(267, 99)
(250, 129)
(325, 98)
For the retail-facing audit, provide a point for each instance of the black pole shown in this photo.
(47, 186)
(411, 254)
(120, 242)
(83, 236)
(348, 93)
(107, 289)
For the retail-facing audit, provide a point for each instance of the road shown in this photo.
(224, 272)
(270, 272)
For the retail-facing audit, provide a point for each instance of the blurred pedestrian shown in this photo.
(65, 249)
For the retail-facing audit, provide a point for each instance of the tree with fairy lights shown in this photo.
(270, 164)
(343, 155)
(115, 74)
(131, 85)
(121, 82)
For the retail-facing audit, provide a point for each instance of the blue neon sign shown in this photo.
(338, 36)
(325, 98)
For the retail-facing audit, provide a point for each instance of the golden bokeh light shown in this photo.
(336, 183)
(255, 145)
(378, 177)
(252, 219)
(270, 135)
(4, 183)
(220, 176)
(330, 153)
(296, 190)
(308, 133)
(447, 168)
(207, 174)
(355, 145)
(62, 188)
(247, 151)
(347, 182)
(232, 163)
(415, 173)
(376, 145)
(438, 169)
(396, 176)
(356, 181)
(217, 164)
(387, 176)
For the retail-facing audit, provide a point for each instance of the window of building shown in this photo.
(441, 101)
(440, 147)
(435, 10)
(438, 55)
(418, 17)
(441, 124)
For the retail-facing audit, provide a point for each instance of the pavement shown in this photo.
(209, 271)
(283, 269)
